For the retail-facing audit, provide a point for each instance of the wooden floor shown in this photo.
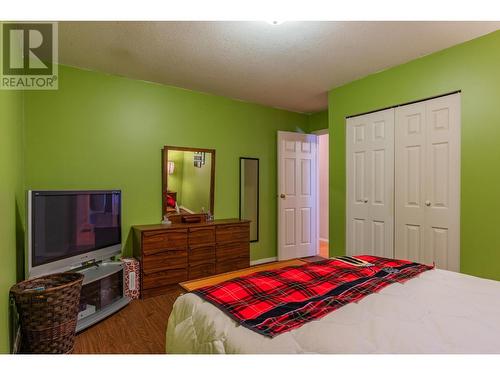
(138, 328)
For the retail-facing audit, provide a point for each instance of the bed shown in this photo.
(437, 311)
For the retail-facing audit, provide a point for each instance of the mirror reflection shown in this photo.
(249, 194)
(188, 182)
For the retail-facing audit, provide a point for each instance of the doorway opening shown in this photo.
(303, 187)
(323, 192)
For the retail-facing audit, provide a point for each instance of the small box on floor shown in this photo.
(132, 274)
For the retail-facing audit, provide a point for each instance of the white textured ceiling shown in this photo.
(289, 66)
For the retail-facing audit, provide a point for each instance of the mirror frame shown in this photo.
(258, 195)
(164, 175)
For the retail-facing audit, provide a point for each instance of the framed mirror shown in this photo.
(188, 179)
(249, 194)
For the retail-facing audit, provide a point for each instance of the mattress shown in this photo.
(436, 312)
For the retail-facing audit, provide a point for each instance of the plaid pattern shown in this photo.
(277, 301)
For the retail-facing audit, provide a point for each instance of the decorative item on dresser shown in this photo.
(170, 254)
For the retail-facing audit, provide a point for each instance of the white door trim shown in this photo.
(319, 133)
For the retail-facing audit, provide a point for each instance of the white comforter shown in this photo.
(436, 312)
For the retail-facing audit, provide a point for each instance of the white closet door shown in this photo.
(370, 184)
(428, 182)
(442, 222)
(410, 132)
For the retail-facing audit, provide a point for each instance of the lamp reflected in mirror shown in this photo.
(171, 167)
(249, 194)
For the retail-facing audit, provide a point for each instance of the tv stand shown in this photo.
(102, 292)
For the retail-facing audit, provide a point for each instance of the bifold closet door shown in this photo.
(427, 182)
(370, 184)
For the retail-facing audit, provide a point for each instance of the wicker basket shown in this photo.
(48, 311)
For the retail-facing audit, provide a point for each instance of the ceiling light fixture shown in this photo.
(275, 22)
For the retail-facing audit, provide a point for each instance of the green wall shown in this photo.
(102, 131)
(317, 121)
(11, 203)
(474, 68)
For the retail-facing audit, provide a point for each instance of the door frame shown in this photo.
(319, 133)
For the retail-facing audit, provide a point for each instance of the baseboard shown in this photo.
(263, 260)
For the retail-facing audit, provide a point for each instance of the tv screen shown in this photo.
(65, 224)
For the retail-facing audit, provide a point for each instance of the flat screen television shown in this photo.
(68, 228)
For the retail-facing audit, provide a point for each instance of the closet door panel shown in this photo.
(360, 182)
(381, 199)
(409, 181)
(358, 162)
(412, 247)
(438, 246)
(427, 182)
(379, 237)
(442, 189)
(379, 177)
(359, 235)
(370, 181)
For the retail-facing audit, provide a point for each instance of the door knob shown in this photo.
(427, 203)
(282, 196)
(366, 200)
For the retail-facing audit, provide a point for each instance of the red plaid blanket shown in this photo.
(277, 301)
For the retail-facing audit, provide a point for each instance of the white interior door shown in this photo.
(370, 184)
(428, 182)
(297, 195)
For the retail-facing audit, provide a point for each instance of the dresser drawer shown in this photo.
(201, 236)
(201, 270)
(202, 254)
(163, 278)
(232, 250)
(152, 242)
(172, 254)
(232, 264)
(233, 233)
(166, 259)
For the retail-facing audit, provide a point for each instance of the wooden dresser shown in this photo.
(170, 254)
